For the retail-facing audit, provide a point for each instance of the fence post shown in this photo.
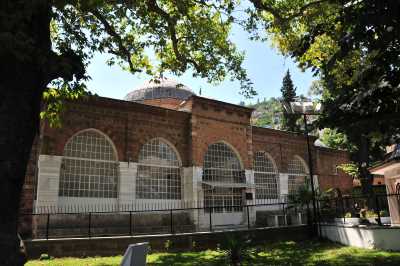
(211, 208)
(248, 217)
(90, 221)
(47, 226)
(343, 213)
(172, 226)
(378, 210)
(130, 223)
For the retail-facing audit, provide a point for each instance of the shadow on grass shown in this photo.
(212, 258)
(319, 253)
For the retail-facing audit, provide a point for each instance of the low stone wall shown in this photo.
(106, 224)
(277, 218)
(109, 246)
(380, 237)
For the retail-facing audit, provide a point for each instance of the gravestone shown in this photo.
(135, 255)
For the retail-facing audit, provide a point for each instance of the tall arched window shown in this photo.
(297, 174)
(159, 174)
(89, 167)
(266, 177)
(222, 170)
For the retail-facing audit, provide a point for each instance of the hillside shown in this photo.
(267, 113)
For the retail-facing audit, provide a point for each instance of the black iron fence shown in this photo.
(373, 209)
(157, 218)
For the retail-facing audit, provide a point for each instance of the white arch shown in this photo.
(302, 162)
(234, 150)
(268, 157)
(100, 133)
(172, 146)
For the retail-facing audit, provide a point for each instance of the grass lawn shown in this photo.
(285, 253)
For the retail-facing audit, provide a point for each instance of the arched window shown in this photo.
(297, 174)
(222, 170)
(159, 174)
(266, 177)
(89, 167)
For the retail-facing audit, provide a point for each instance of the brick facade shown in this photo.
(190, 126)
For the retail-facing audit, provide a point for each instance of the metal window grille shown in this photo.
(159, 173)
(266, 177)
(297, 175)
(222, 165)
(89, 167)
(223, 199)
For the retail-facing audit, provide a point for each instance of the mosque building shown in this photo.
(166, 147)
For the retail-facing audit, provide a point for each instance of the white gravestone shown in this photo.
(135, 255)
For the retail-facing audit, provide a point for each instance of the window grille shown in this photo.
(222, 165)
(266, 177)
(159, 173)
(297, 175)
(89, 167)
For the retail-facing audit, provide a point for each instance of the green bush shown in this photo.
(384, 213)
(348, 215)
(45, 256)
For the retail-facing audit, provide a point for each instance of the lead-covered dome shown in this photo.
(159, 89)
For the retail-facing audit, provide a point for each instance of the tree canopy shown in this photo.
(353, 47)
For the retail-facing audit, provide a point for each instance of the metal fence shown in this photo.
(373, 209)
(161, 218)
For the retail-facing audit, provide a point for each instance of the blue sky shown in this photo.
(265, 66)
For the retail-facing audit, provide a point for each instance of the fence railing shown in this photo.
(372, 209)
(130, 221)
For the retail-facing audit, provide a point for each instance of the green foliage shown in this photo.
(167, 244)
(335, 140)
(45, 256)
(384, 213)
(268, 113)
(350, 169)
(151, 37)
(235, 246)
(289, 121)
(352, 46)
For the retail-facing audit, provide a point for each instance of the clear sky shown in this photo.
(265, 66)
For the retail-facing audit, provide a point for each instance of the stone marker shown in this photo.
(135, 255)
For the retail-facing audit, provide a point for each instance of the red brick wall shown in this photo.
(328, 178)
(129, 125)
(282, 146)
(213, 121)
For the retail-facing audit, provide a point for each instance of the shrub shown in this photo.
(45, 256)
(348, 215)
(384, 213)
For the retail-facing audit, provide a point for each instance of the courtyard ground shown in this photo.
(284, 253)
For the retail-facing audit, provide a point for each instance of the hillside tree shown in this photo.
(289, 121)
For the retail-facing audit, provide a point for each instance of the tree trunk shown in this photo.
(24, 42)
(19, 119)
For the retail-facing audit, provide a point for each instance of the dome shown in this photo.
(159, 89)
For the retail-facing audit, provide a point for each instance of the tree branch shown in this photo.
(111, 31)
(66, 66)
(260, 5)
(152, 4)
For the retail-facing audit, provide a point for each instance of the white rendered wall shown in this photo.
(127, 184)
(386, 238)
(48, 181)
